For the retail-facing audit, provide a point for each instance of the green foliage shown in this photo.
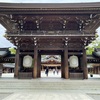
(96, 35)
(89, 51)
(12, 50)
(94, 44)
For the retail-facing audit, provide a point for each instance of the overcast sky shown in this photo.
(6, 43)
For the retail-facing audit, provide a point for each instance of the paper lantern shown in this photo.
(27, 61)
(73, 61)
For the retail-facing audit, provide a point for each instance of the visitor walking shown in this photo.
(57, 71)
(47, 71)
(54, 71)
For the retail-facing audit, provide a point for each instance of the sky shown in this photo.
(6, 43)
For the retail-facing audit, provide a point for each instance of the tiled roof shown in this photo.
(49, 5)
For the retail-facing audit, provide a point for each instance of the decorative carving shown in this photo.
(9, 24)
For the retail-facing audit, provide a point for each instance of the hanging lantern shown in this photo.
(27, 61)
(73, 61)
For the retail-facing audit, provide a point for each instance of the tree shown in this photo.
(94, 44)
(12, 50)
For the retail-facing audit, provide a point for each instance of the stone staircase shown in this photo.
(47, 84)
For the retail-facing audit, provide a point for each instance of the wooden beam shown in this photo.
(51, 36)
(51, 65)
(77, 49)
(51, 52)
(75, 53)
(22, 48)
(51, 49)
(22, 53)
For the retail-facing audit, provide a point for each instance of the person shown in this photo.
(47, 71)
(57, 71)
(54, 71)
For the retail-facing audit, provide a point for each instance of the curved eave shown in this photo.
(53, 6)
(3, 53)
(91, 57)
(47, 8)
(49, 5)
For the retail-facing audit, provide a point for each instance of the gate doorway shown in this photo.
(51, 66)
(52, 53)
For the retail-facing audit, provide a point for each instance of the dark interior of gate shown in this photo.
(62, 29)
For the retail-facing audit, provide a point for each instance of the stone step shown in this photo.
(47, 85)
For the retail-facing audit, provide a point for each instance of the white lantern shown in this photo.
(73, 61)
(27, 61)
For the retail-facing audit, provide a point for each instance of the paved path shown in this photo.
(48, 96)
(49, 88)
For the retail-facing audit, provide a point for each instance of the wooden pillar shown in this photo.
(85, 69)
(62, 65)
(98, 70)
(94, 70)
(1, 69)
(42, 68)
(66, 68)
(35, 62)
(16, 63)
(39, 66)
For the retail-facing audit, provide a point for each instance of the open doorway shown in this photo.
(51, 66)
